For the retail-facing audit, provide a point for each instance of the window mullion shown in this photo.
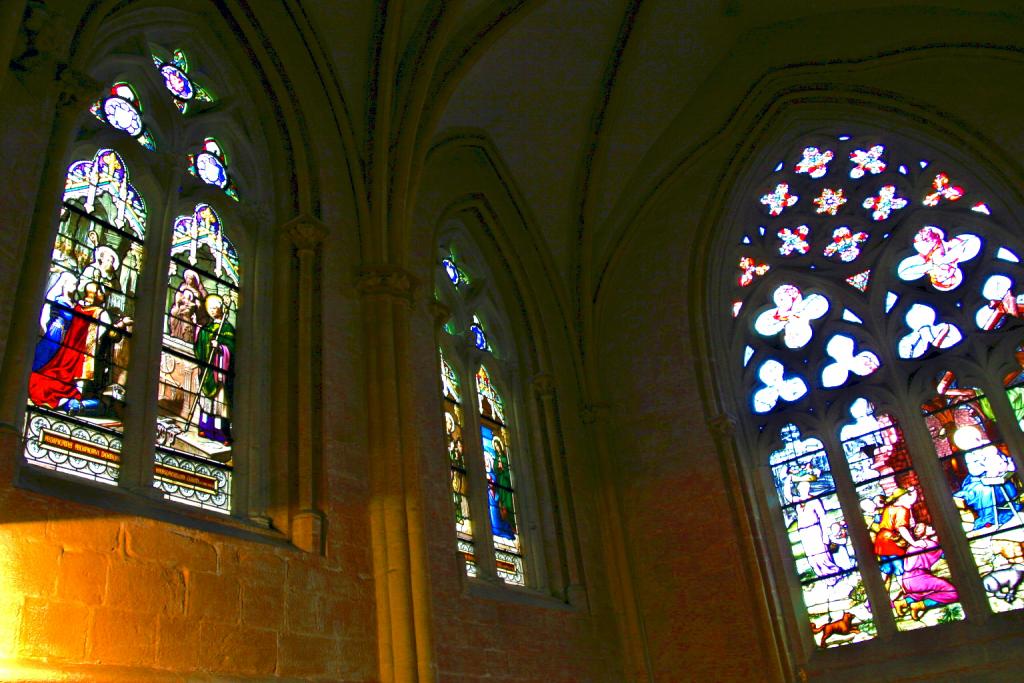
(140, 430)
(867, 562)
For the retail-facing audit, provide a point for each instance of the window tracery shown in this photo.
(869, 274)
(77, 399)
(482, 467)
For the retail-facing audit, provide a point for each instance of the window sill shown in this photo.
(138, 504)
(499, 591)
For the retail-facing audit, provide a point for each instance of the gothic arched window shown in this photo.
(106, 298)
(876, 335)
(487, 525)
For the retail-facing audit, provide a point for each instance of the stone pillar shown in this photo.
(400, 557)
(544, 389)
(620, 567)
(306, 234)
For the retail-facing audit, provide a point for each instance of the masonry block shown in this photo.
(304, 612)
(237, 649)
(306, 655)
(262, 605)
(27, 565)
(82, 577)
(54, 630)
(99, 534)
(123, 637)
(158, 543)
(145, 587)
(214, 598)
(178, 643)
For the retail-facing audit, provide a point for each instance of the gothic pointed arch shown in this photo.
(864, 302)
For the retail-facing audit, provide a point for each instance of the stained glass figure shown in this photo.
(926, 333)
(500, 488)
(195, 394)
(1014, 383)
(860, 281)
(1002, 302)
(939, 258)
(779, 199)
(884, 203)
(776, 386)
(840, 348)
(814, 162)
(914, 569)
(750, 269)
(830, 201)
(943, 190)
(831, 584)
(869, 161)
(453, 426)
(984, 484)
(845, 243)
(792, 315)
(211, 166)
(121, 109)
(179, 83)
(77, 384)
(794, 240)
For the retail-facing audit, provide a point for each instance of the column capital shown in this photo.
(439, 312)
(305, 232)
(544, 385)
(387, 281)
(722, 426)
(75, 88)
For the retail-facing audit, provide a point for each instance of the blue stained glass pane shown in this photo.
(479, 338)
(451, 271)
(747, 355)
(890, 300)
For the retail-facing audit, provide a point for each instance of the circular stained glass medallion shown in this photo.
(177, 82)
(122, 115)
(211, 170)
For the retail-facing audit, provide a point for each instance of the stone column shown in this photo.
(631, 624)
(544, 388)
(306, 234)
(396, 512)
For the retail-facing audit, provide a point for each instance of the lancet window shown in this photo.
(876, 331)
(77, 415)
(482, 466)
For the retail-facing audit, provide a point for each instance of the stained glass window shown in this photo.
(481, 460)
(453, 428)
(871, 266)
(211, 166)
(500, 490)
(178, 81)
(197, 364)
(76, 389)
(122, 109)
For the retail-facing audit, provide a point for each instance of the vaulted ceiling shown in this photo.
(576, 95)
